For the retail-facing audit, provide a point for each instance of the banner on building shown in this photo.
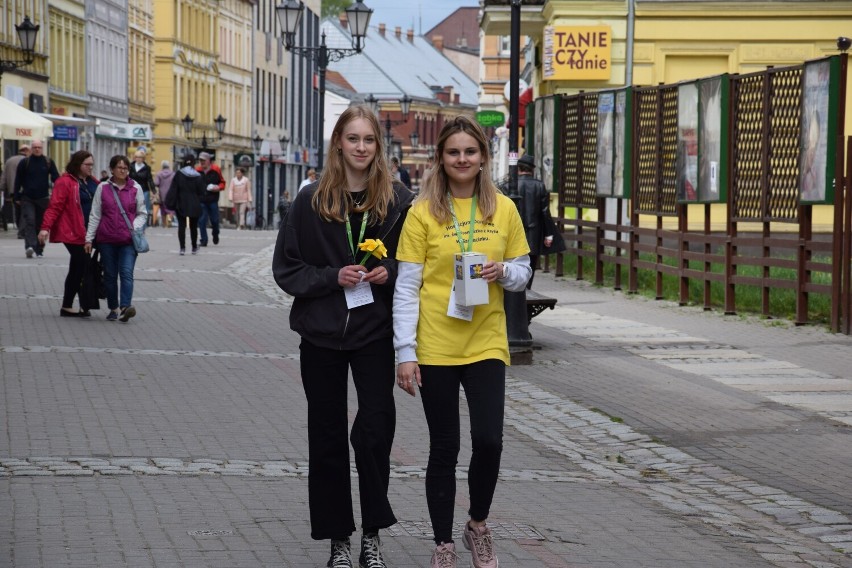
(575, 53)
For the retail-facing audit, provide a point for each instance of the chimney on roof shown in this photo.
(382, 30)
(344, 20)
(438, 42)
(397, 32)
(410, 34)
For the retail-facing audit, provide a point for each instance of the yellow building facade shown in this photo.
(140, 64)
(67, 73)
(29, 79)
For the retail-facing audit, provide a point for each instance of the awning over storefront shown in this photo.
(18, 123)
(70, 120)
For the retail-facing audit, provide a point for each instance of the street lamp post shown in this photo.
(515, 303)
(289, 15)
(257, 144)
(27, 34)
(188, 121)
(405, 109)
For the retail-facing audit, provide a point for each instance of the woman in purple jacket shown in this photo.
(115, 242)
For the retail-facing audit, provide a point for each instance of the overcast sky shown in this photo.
(419, 15)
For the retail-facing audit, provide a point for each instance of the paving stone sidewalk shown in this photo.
(643, 435)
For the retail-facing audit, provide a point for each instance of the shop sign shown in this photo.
(573, 53)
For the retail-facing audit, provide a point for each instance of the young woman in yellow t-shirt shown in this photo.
(442, 346)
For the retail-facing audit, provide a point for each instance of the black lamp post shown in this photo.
(405, 109)
(257, 144)
(188, 121)
(289, 15)
(27, 34)
(515, 303)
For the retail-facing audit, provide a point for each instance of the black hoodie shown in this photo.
(309, 254)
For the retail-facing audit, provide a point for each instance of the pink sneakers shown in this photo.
(444, 556)
(481, 546)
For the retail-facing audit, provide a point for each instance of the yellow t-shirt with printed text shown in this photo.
(441, 339)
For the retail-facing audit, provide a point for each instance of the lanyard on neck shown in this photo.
(349, 232)
(465, 247)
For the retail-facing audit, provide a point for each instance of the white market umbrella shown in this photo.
(18, 123)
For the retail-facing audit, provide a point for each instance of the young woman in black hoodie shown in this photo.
(343, 298)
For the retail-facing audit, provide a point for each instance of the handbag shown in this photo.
(140, 243)
(92, 286)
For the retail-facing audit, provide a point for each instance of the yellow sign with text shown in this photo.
(577, 52)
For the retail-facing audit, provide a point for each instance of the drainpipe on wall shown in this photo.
(631, 23)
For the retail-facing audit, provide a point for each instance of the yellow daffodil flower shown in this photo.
(373, 247)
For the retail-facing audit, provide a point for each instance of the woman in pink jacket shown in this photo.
(239, 192)
(63, 223)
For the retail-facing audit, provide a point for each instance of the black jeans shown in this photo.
(76, 270)
(32, 213)
(193, 231)
(325, 377)
(484, 385)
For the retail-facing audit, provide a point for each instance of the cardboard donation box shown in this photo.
(471, 289)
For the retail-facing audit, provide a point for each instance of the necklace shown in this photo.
(359, 197)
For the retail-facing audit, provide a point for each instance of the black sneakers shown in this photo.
(127, 313)
(371, 552)
(340, 554)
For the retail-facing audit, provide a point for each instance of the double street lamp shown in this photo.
(289, 16)
(405, 109)
(188, 121)
(257, 146)
(27, 34)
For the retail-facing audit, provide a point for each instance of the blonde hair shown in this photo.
(331, 201)
(437, 184)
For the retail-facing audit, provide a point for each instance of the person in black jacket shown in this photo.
(343, 298)
(535, 213)
(184, 198)
(141, 173)
(33, 180)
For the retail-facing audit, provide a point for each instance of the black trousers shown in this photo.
(193, 231)
(484, 385)
(32, 213)
(325, 377)
(76, 270)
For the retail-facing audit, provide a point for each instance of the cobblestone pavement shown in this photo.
(643, 435)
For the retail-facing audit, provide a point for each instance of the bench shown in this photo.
(537, 303)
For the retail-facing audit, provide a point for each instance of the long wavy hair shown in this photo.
(437, 185)
(332, 201)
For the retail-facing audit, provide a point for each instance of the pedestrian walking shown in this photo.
(163, 181)
(239, 192)
(342, 311)
(443, 346)
(33, 179)
(64, 222)
(542, 235)
(141, 173)
(116, 198)
(10, 212)
(184, 198)
(214, 183)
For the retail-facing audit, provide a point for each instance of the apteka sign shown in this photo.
(577, 53)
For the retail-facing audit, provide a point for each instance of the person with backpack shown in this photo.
(36, 173)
